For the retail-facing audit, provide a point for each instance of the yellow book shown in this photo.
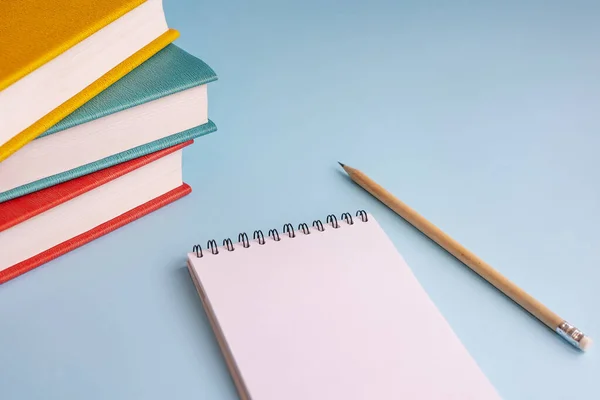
(56, 55)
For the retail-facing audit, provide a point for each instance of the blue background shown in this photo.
(481, 115)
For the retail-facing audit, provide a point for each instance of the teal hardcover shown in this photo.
(169, 71)
(110, 161)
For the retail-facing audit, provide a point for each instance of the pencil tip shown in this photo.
(341, 164)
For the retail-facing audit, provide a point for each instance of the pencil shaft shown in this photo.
(507, 287)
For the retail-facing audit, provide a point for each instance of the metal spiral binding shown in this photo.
(348, 218)
(258, 235)
(212, 245)
(228, 244)
(288, 228)
(243, 239)
(319, 225)
(274, 234)
(198, 250)
(363, 215)
(304, 228)
(332, 219)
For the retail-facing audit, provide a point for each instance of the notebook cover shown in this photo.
(100, 230)
(15, 211)
(109, 161)
(34, 32)
(330, 313)
(86, 94)
(169, 71)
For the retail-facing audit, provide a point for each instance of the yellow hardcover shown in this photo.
(66, 108)
(33, 32)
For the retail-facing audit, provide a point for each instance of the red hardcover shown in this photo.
(15, 211)
(20, 209)
(100, 230)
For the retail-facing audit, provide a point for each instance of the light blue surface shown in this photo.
(483, 118)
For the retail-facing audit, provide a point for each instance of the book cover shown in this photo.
(25, 49)
(169, 71)
(23, 208)
(34, 32)
(113, 160)
(92, 234)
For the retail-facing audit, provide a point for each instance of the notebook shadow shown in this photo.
(202, 344)
(191, 300)
(195, 315)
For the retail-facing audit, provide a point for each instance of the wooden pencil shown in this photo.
(518, 295)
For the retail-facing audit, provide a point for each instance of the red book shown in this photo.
(44, 225)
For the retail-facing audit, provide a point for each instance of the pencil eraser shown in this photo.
(585, 343)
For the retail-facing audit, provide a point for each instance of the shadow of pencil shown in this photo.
(345, 176)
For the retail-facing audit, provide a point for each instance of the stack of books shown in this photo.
(96, 105)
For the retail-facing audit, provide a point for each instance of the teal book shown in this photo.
(160, 104)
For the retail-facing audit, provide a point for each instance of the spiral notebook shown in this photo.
(329, 311)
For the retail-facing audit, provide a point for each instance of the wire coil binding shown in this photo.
(288, 228)
(258, 235)
(212, 245)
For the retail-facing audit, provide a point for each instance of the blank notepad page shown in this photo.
(334, 314)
